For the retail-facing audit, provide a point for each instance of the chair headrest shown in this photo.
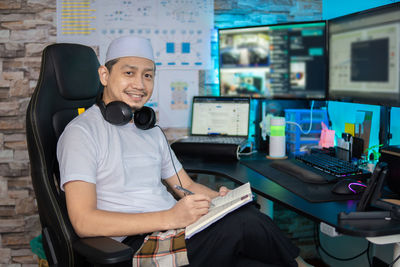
(75, 69)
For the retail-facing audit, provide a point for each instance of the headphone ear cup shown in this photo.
(118, 113)
(145, 118)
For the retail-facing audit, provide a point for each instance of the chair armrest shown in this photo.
(103, 250)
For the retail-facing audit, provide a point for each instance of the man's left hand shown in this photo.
(223, 191)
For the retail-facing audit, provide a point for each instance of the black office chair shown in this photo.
(68, 81)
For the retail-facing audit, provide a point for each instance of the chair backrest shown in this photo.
(68, 81)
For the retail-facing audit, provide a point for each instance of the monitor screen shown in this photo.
(220, 115)
(364, 54)
(282, 61)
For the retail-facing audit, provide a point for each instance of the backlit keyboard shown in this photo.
(331, 165)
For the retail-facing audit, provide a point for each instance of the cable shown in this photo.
(170, 154)
(319, 245)
(327, 114)
(369, 256)
(329, 119)
(316, 232)
(311, 121)
(393, 262)
(251, 152)
(248, 153)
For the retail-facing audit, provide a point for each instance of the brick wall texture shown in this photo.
(26, 27)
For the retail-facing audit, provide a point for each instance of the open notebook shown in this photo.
(220, 120)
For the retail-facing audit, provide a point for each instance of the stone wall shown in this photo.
(26, 27)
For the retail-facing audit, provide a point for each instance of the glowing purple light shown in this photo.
(354, 191)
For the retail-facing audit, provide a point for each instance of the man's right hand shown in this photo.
(87, 220)
(189, 209)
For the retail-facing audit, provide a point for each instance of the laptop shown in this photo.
(219, 120)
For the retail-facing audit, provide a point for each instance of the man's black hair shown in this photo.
(109, 64)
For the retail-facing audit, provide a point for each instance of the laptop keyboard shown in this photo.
(214, 139)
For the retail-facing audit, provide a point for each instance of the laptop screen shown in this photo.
(213, 115)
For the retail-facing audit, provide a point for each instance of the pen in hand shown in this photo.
(184, 190)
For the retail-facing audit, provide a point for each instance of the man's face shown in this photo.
(131, 80)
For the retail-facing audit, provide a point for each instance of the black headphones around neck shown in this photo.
(120, 113)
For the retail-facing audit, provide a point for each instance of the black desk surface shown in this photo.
(326, 212)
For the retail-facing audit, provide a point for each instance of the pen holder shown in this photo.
(277, 140)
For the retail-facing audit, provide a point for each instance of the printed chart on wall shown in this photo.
(179, 29)
(77, 21)
(177, 92)
(180, 32)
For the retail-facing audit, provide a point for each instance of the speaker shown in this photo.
(120, 113)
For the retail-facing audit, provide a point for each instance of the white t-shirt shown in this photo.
(126, 163)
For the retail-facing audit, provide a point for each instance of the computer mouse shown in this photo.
(348, 187)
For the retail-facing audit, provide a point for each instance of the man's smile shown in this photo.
(136, 96)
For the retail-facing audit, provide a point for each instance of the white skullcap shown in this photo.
(130, 46)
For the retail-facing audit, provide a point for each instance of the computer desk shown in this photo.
(379, 231)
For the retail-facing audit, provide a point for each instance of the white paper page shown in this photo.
(242, 196)
(232, 195)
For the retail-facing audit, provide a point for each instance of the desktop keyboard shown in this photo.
(332, 165)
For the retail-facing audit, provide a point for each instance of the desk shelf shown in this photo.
(296, 141)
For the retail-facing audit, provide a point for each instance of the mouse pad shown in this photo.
(310, 192)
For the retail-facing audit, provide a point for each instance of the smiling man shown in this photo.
(124, 86)
(112, 171)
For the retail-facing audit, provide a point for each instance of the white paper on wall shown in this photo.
(176, 89)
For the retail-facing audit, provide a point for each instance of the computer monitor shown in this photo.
(281, 61)
(364, 53)
(228, 116)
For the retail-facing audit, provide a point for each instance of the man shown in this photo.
(111, 175)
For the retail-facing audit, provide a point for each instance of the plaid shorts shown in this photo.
(162, 249)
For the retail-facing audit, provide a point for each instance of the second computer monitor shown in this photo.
(364, 56)
(283, 61)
